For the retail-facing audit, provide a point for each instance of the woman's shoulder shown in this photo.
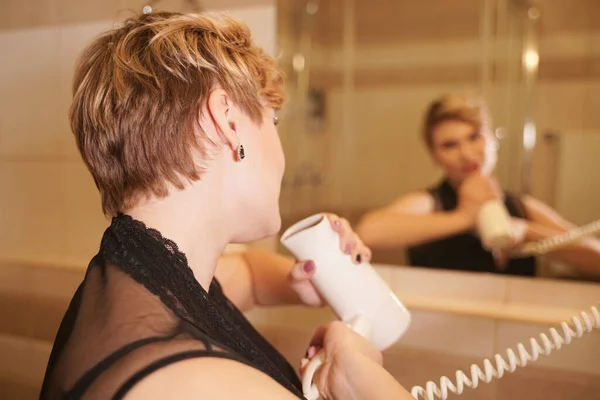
(208, 377)
(124, 368)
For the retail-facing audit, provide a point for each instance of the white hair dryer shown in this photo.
(355, 292)
(494, 225)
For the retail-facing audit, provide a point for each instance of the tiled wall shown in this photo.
(49, 206)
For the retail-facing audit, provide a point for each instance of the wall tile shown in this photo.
(450, 334)
(85, 223)
(24, 14)
(33, 221)
(23, 360)
(29, 112)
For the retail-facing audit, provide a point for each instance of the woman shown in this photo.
(174, 116)
(437, 225)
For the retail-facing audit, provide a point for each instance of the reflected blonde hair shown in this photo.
(138, 92)
(455, 107)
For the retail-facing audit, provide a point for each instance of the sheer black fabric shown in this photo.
(139, 308)
(464, 251)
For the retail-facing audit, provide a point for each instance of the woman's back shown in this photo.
(139, 309)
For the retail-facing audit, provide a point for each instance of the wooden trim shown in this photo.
(512, 312)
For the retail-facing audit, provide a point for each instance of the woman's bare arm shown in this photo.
(256, 277)
(222, 379)
(208, 378)
(410, 221)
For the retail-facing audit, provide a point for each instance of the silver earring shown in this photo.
(240, 152)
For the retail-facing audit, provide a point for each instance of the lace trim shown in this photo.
(157, 263)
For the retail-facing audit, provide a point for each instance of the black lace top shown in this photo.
(464, 251)
(138, 309)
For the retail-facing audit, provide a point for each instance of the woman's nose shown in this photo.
(468, 152)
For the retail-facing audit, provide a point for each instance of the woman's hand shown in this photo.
(345, 354)
(474, 191)
(519, 233)
(303, 270)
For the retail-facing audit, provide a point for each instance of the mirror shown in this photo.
(361, 75)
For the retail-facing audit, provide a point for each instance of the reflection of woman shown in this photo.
(161, 109)
(437, 225)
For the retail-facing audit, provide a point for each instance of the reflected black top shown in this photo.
(464, 251)
(138, 309)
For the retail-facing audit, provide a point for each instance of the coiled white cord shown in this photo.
(582, 324)
(546, 245)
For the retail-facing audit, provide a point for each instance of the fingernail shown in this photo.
(358, 258)
(309, 266)
(312, 350)
(336, 224)
(348, 249)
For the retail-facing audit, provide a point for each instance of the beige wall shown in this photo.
(19, 14)
(373, 124)
(49, 206)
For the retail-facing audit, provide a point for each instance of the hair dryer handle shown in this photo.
(308, 387)
(359, 325)
(494, 225)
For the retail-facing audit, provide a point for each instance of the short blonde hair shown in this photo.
(455, 107)
(137, 95)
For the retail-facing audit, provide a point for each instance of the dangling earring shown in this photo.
(240, 152)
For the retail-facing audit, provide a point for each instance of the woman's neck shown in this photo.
(199, 232)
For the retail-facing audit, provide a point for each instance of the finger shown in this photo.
(308, 294)
(497, 190)
(347, 237)
(500, 259)
(318, 337)
(302, 271)
(303, 364)
(490, 189)
(334, 220)
(312, 352)
(366, 255)
(492, 194)
(299, 279)
(358, 250)
(365, 252)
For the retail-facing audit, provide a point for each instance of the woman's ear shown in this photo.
(225, 117)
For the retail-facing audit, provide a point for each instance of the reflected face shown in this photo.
(461, 149)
